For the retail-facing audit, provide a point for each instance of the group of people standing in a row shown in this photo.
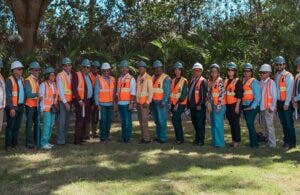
(95, 96)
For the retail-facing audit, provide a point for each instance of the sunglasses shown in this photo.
(36, 70)
(106, 70)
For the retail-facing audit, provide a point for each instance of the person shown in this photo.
(104, 94)
(234, 93)
(63, 81)
(161, 94)
(48, 96)
(126, 87)
(144, 94)
(94, 74)
(268, 103)
(178, 101)
(197, 96)
(250, 102)
(296, 92)
(2, 96)
(285, 83)
(216, 97)
(15, 98)
(82, 89)
(31, 106)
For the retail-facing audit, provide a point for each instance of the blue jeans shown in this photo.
(125, 114)
(48, 122)
(160, 119)
(105, 122)
(250, 117)
(217, 126)
(64, 120)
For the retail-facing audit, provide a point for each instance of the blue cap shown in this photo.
(96, 63)
(86, 63)
(141, 64)
(124, 63)
(279, 60)
(178, 65)
(157, 64)
(49, 70)
(34, 65)
(66, 61)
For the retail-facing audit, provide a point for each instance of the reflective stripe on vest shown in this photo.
(80, 87)
(176, 91)
(267, 95)
(282, 86)
(14, 91)
(123, 89)
(230, 91)
(34, 87)
(215, 92)
(248, 92)
(142, 89)
(197, 89)
(158, 84)
(49, 98)
(66, 86)
(106, 91)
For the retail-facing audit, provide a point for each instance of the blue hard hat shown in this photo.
(141, 64)
(248, 66)
(86, 63)
(297, 61)
(96, 63)
(49, 70)
(178, 65)
(1, 63)
(214, 66)
(231, 65)
(157, 63)
(279, 60)
(124, 63)
(66, 61)
(34, 65)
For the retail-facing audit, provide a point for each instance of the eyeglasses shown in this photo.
(105, 70)
(263, 72)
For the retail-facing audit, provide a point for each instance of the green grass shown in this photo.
(117, 168)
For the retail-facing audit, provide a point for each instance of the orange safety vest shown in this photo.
(50, 98)
(142, 89)
(248, 92)
(282, 86)
(215, 92)
(230, 91)
(106, 91)
(14, 92)
(267, 95)
(123, 90)
(197, 89)
(176, 91)
(158, 84)
(66, 85)
(34, 86)
(93, 78)
(80, 87)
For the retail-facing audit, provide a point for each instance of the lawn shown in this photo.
(117, 168)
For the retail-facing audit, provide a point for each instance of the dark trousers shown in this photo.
(94, 121)
(234, 122)
(198, 120)
(81, 122)
(287, 122)
(126, 121)
(31, 121)
(177, 123)
(105, 122)
(250, 117)
(13, 126)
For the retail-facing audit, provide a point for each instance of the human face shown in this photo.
(142, 70)
(106, 72)
(67, 68)
(197, 72)
(247, 73)
(230, 73)
(124, 70)
(85, 69)
(94, 69)
(35, 72)
(18, 72)
(279, 67)
(52, 77)
(264, 75)
(177, 72)
(158, 71)
(298, 67)
(214, 73)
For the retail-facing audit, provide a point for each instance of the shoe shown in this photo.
(159, 141)
(285, 145)
(95, 136)
(9, 148)
(50, 144)
(291, 147)
(178, 142)
(30, 147)
(143, 141)
(46, 147)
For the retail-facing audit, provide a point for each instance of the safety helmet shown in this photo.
(265, 68)
(105, 66)
(197, 65)
(16, 64)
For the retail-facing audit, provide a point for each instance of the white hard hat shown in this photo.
(265, 68)
(197, 65)
(105, 66)
(16, 64)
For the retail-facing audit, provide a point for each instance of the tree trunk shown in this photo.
(28, 14)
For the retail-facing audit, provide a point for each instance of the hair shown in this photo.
(234, 75)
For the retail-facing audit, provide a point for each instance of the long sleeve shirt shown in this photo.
(60, 87)
(289, 80)
(272, 93)
(184, 91)
(167, 91)
(140, 83)
(8, 90)
(297, 88)
(132, 90)
(256, 93)
(2, 92)
(202, 93)
(28, 91)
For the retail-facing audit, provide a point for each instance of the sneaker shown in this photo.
(46, 147)
(50, 144)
